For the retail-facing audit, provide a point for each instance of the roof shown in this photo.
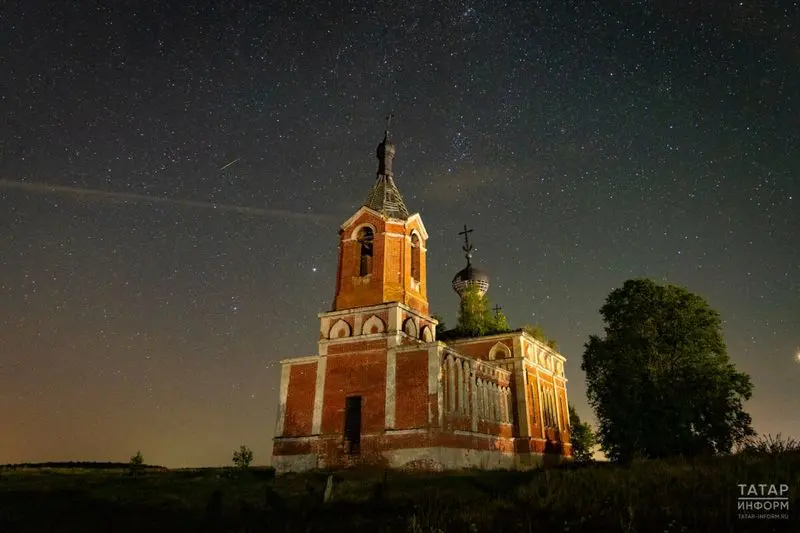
(386, 199)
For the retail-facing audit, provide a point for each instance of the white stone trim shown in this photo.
(354, 216)
(462, 433)
(294, 463)
(541, 408)
(523, 405)
(391, 390)
(373, 320)
(297, 439)
(442, 458)
(499, 346)
(305, 359)
(435, 369)
(284, 393)
(422, 230)
(474, 396)
(339, 326)
(421, 431)
(319, 395)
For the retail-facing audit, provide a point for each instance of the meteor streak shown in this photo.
(98, 195)
(223, 167)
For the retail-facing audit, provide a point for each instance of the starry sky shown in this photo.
(172, 178)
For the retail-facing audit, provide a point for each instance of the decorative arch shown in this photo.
(357, 230)
(373, 325)
(340, 329)
(499, 351)
(409, 328)
(426, 334)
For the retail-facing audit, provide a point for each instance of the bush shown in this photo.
(136, 464)
(243, 457)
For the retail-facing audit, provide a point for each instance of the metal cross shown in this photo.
(467, 246)
(389, 120)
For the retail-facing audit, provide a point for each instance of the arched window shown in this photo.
(365, 241)
(415, 257)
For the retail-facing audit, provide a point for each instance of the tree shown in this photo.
(136, 464)
(474, 316)
(581, 436)
(243, 457)
(660, 381)
(499, 323)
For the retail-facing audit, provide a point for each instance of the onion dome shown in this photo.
(470, 276)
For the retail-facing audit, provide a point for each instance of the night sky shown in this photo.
(172, 179)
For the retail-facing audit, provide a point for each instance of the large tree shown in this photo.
(660, 381)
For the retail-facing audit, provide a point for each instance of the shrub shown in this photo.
(243, 457)
(136, 464)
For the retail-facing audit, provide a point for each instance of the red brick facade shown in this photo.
(383, 391)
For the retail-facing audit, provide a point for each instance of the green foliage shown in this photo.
(474, 315)
(537, 333)
(499, 323)
(582, 437)
(660, 381)
(475, 319)
(243, 457)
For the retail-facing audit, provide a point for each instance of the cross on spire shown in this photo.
(467, 246)
(389, 118)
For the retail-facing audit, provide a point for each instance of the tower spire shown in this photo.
(384, 196)
(386, 151)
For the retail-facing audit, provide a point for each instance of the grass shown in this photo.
(648, 496)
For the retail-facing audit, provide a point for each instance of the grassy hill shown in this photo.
(649, 496)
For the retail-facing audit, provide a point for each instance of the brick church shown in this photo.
(383, 391)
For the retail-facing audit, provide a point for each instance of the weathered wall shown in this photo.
(355, 374)
(411, 390)
(300, 399)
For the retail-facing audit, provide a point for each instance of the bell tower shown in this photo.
(382, 247)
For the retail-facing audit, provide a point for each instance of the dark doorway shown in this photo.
(352, 424)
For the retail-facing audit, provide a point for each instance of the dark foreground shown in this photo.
(651, 496)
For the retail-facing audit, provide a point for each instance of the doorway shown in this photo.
(352, 425)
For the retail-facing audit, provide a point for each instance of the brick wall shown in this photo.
(300, 399)
(411, 390)
(356, 374)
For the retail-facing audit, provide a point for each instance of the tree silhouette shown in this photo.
(243, 457)
(660, 380)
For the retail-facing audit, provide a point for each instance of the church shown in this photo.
(383, 391)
